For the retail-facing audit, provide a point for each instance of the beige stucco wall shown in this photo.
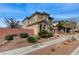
(38, 18)
(35, 18)
(24, 24)
(35, 28)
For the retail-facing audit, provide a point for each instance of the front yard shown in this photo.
(20, 42)
(63, 48)
(14, 41)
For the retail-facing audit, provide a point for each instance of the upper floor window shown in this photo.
(40, 17)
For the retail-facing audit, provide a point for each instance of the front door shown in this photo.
(40, 27)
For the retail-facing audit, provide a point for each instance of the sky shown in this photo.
(21, 10)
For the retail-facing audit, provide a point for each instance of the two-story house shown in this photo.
(38, 21)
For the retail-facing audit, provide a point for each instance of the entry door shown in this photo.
(40, 27)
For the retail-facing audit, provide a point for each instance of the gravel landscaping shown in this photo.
(18, 43)
(63, 48)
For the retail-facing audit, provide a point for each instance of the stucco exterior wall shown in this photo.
(24, 24)
(35, 28)
(33, 19)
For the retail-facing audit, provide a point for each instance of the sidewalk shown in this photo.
(76, 51)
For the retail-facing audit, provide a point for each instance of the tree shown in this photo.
(60, 25)
(67, 25)
(70, 24)
(12, 23)
(73, 25)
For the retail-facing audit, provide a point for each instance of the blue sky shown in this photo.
(22, 10)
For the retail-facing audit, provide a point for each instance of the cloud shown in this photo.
(20, 10)
(2, 23)
(63, 16)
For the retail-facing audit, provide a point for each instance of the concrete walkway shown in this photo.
(28, 49)
(76, 51)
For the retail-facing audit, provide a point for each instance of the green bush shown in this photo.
(50, 34)
(9, 37)
(31, 39)
(37, 37)
(23, 35)
(43, 33)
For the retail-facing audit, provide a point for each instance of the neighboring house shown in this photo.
(38, 21)
(55, 23)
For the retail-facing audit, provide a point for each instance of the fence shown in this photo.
(7, 31)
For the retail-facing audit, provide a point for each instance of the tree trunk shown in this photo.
(73, 32)
(65, 30)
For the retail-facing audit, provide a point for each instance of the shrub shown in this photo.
(50, 34)
(43, 33)
(23, 35)
(31, 39)
(37, 37)
(9, 37)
